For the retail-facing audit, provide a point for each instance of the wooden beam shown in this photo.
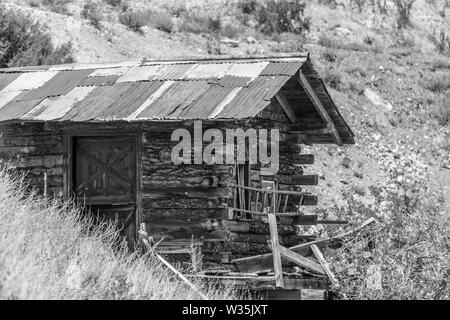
(264, 261)
(315, 249)
(277, 267)
(286, 107)
(320, 108)
(300, 180)
(300, 260)
(303, 158)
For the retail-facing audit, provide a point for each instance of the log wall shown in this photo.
(32, 150)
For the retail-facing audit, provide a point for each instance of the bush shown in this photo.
(441, 42)
(441, 109)
(439, 82)
(197, 23)
(25, 43)
(334, 43)
(283, 16)
(332, 77)
(58, 6)
(91, 11)
(329, 55)
(114, 3)
(403, 12)
(50, 250)
(134, 20)
(162, 21)
(440, 63)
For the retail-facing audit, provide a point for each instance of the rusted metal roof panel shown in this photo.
(207, 71)
(98, 81)
(16, 108)
(174, 100)
(233, 81)
(203, 107)
(29, 81)
(282, 68)
(129, 100)
(251, 70)
(109, 72)
(7, 78)
(142, 73)
(6, 97)
(55, 107)
(171, 71)
(60, 84)
(252, 99)
(95, 102)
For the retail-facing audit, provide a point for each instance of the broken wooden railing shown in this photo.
(146, 244)
(271, 206)
(297, 254)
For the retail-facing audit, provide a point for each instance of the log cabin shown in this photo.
(101, 134)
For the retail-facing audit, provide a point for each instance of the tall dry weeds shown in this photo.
(48, 250)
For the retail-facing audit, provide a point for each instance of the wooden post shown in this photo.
(45, 184)
(277, 267)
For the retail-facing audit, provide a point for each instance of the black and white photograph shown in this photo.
(225, 153)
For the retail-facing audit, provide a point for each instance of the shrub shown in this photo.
(114, 3)
(329, 55)
(58, 6)
(440, 63)
(439, 82)
(25, 43)
(334, 43)
(441, 109)
(197, 23)
(283, 16)
(332, 77)
(162, 21)
(134, 20)
(441, 42)
(249, 6)
(91, 11)
(403, 12)
(50, 250)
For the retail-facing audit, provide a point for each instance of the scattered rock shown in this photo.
(230, 42)
(358, 174)
(360, 189)
(376, 99)
(250, 40)
(346, 162)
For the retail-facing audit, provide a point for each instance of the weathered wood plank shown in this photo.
(300, 260)
(324, 265)
(264, 261)
(276, 251)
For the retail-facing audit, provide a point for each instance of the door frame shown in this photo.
(68, 144)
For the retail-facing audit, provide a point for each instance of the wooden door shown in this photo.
(104, 178)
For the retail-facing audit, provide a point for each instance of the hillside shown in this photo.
(391, 84)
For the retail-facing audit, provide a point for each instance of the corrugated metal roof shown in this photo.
(137, 90)
(62, 83)
(282, 68)
(98, 81)
(6, 78)
(174, 100)
(29, 81)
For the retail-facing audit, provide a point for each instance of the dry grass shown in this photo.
(405, 255)
(49, 251)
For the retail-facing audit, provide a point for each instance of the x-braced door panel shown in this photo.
(105, 170)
